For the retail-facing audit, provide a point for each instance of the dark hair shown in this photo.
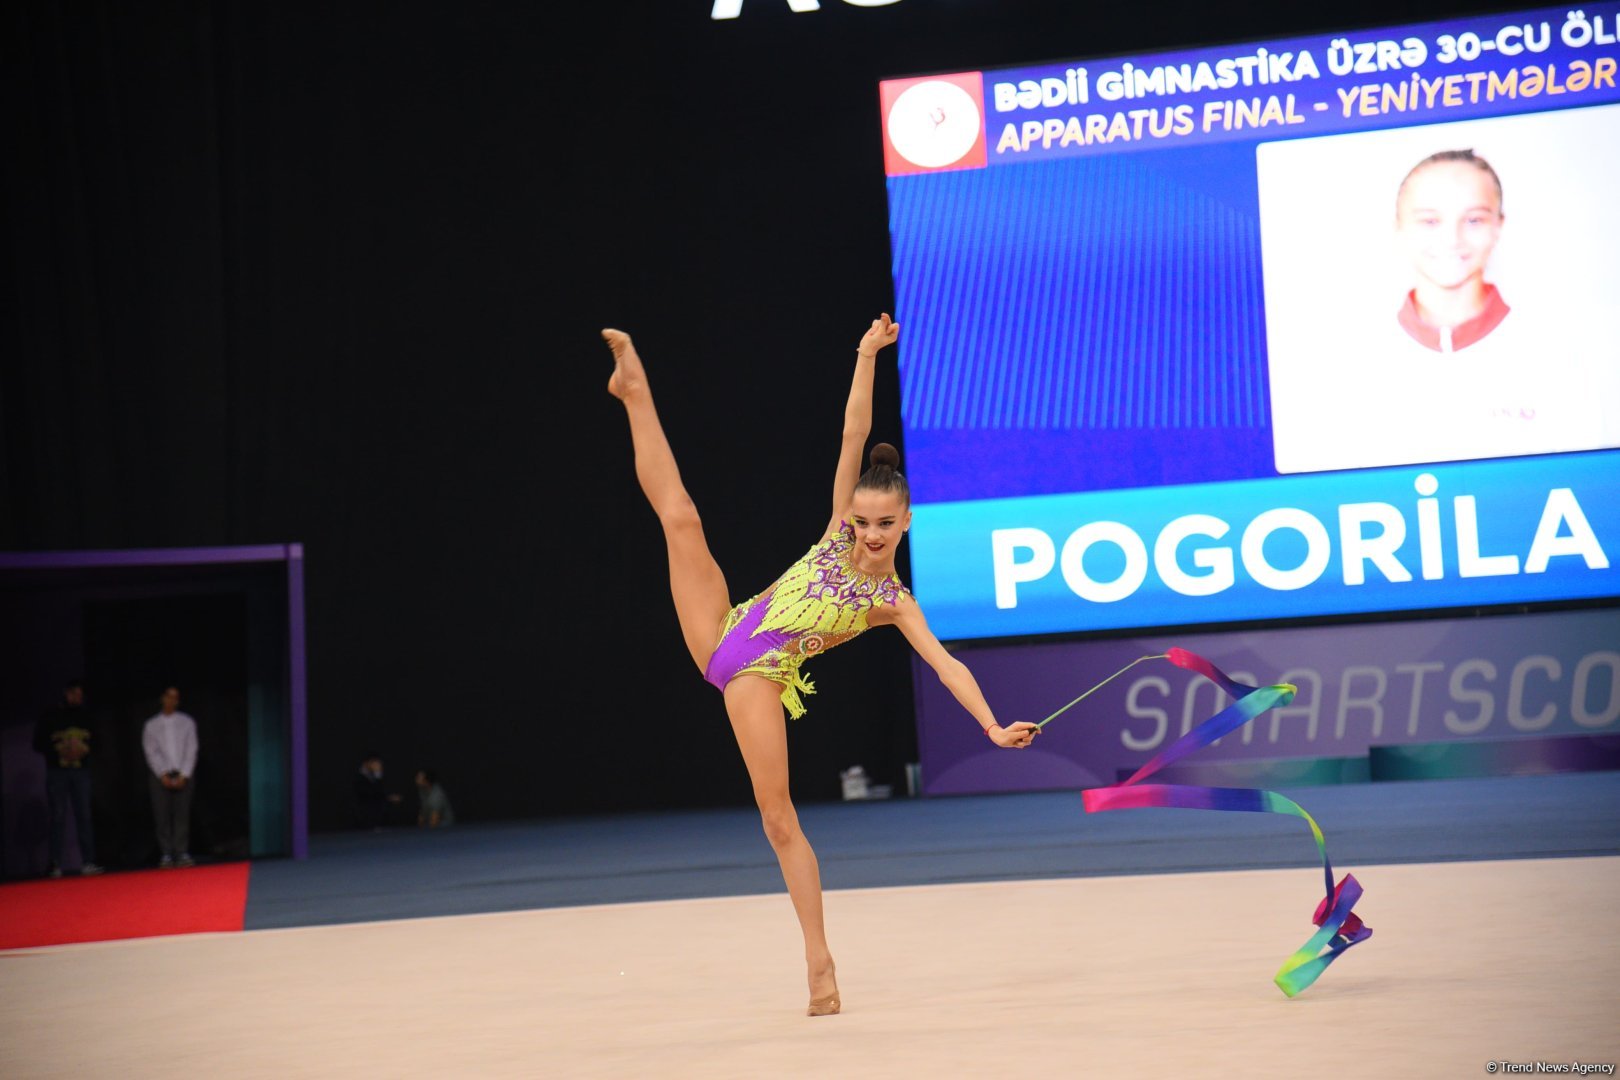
(883, 473)
(429, 775)
(1449, 157)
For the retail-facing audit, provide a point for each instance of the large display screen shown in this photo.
(1300, 328)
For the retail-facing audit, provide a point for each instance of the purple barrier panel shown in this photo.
(1359, 685)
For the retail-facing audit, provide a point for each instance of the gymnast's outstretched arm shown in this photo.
(858, 416)
(957, 678)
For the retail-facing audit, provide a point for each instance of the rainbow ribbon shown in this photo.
(1338, 925)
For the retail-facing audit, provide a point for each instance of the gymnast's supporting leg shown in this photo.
(755, 707)
(695, 580)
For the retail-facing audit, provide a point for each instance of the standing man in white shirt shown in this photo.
(170, 742)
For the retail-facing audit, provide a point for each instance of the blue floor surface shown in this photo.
(357, 877)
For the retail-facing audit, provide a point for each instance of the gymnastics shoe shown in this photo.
(828, 1005)
(824, 1006)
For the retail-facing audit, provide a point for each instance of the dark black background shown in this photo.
(332, 272)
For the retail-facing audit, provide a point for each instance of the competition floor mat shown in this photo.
(1473, 963)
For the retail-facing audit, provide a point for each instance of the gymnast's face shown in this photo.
(879, 519)
(1447, 220)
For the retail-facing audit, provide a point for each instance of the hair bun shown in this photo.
(885, 454)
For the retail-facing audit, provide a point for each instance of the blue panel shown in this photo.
(955, 577)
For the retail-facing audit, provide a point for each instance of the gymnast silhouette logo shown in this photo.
(934, 124)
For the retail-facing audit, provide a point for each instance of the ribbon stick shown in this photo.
(1099, 686)
(1338, 925)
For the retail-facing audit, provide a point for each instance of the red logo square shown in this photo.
(933, 123)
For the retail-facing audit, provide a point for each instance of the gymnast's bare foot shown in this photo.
(628, 375)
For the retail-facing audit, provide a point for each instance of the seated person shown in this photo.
(435, 812)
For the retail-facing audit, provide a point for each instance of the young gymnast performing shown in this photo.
(753, 652)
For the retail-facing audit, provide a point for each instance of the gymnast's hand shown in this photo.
(1019, 736)
(882, 333)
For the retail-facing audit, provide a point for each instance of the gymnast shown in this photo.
(753, 651)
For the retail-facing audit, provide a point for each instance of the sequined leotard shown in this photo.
(821, 601)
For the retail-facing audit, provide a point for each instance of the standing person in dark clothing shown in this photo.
(63, 737)
(170, 742)
(371, 796)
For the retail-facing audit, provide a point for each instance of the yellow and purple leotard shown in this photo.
(821, 601)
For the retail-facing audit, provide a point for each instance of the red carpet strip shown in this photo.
(147, 903)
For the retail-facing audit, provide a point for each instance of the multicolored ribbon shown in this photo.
(1339, 926)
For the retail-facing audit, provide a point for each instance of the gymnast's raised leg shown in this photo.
(695, 580)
